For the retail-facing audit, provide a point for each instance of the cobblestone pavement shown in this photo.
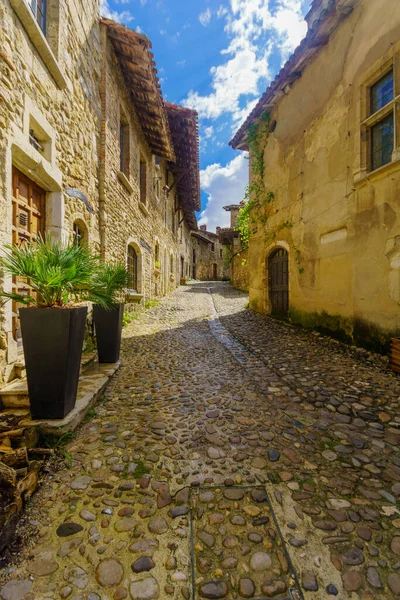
(267, 453)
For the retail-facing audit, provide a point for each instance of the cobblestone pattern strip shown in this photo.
(238, 550)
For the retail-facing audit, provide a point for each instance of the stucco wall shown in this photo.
(240, 271)
(344, 234)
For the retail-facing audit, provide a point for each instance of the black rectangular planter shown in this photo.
(52, 340)
(108, 325)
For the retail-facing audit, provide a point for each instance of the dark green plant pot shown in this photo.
(53, 341)
(108, 326)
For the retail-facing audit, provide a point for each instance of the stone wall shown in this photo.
(49, 85)
(343, 233)
(212, 258)
(240, 271)
(68, 89)
(128, 220)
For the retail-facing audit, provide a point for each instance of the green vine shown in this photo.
(256, 204)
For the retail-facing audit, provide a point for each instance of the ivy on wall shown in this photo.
(257, 204)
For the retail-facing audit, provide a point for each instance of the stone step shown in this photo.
(88, 362)
(15, 394)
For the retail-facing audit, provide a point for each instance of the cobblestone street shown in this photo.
(233, 457)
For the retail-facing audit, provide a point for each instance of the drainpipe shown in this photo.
(103, 150)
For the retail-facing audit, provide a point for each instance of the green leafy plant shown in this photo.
(111, 279)
(59, 274)
(157, 264)
(150, 303)
(128, 317)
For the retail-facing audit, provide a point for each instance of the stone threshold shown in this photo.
(91, 386)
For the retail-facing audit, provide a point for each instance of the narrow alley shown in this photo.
(233, 456)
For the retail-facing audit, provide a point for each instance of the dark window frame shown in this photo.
(143, 181)
(132, 268)
(124, 156)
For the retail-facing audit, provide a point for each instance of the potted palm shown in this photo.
(112, 280)
(53, 318)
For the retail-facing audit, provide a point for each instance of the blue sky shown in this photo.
(218, 57)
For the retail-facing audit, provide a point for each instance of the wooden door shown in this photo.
(28, 210)
(278, 277)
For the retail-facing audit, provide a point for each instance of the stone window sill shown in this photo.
(132, 296)
(143, 208)
(363, 176)
(37, 38)
(125, 181)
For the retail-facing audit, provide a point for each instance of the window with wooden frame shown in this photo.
(39, 9)
(132, 268)
(381, 113)
(124, 154)
(380, 123)
(143, 180)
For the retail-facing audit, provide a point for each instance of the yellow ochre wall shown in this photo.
(344, 245)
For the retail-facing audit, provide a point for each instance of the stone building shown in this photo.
(210, 257)
(89, 149)
(329, 252)
(229, 237)
(148, 168)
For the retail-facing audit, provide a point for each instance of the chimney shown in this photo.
(203, 227)
(218, 230)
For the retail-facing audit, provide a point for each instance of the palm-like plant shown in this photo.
(111, 279)
(59, 274)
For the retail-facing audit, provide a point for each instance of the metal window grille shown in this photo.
(35, 142)
(78, 234)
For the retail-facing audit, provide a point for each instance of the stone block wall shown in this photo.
(127, 220)
(49, 85)
(212, 258)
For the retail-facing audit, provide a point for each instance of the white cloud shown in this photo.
(208, 131)
(181, 63)
(254, 30)
(237, 77)
(222, 11)
(205, 17)
(121, 17)
(223, 185)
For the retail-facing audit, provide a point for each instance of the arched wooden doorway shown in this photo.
(278, 281)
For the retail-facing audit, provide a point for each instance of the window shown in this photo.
(38, 7)
(132, 267)
(143, 181)
(171, 264)
(380, 123)
(382, 92)
(124, 147)
(78, 234)
(220, 253)
(212, 247)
